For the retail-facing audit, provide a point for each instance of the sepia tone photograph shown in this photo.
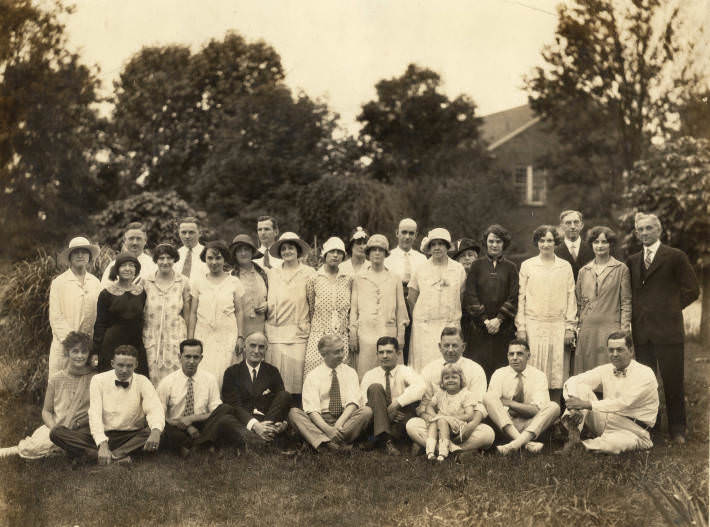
(388, 263)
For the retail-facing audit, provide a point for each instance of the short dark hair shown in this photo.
(76, 338)
(135, 226)
(299, 250)
(191, 342)
(519, 342)
(126, 349)
(542, 231)
(499, 231)
(384, 341)
(273, 221)
(188, 219)
(451, 330)
(165, 248)
(217, 245)
(595, 232)
(120, 260)
(622, 335)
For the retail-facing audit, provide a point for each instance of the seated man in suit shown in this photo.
(622, 420)
(194, 413)
(393, 391)
(333, 416)
(255, 391)
(120, 403)
(518, 401)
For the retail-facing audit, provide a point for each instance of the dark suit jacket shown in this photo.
(239, 392)
(659, 295)
(584, 256)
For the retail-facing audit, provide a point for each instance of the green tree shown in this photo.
(673, 182)
(412, 129)
(49, 128)
(615, 76)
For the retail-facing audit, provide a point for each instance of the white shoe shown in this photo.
(9, 451)
(504, 450)
(534, 447)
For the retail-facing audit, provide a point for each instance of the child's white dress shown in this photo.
(452, 407)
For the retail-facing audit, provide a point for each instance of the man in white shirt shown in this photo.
(333, 416)
(267, 230)
(518, 401)
(403, 261)
(622, 420)
(573, 249)
(393, 391)
(120, 403)
(475, 435)
(134, 241)
(190, 264)
(194, 413)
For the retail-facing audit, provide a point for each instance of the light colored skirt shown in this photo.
(366, 357)
(547, 350)
(218, 343)
(426, 336)
(38, 445)
(289, 358)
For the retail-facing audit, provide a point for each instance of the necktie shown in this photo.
(649, 258)
(253, 375)
(122, 384)
(407, 268)
(188, 264)
(388, 388)
(190, 398)
(335, 406)
(518, 397)
(575, 251)
(619, 373)
(267, 263)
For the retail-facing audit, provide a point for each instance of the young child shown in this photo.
(449, 409)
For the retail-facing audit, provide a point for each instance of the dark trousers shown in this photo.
(381, 424)
(221, 428)
(668, 359)
(80, 442)
(278, 409)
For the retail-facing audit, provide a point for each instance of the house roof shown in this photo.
(500, 127)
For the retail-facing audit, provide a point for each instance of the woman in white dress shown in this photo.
(216, 315)
(434, 295)
(547, 309)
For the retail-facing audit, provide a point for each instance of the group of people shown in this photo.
(225, 345)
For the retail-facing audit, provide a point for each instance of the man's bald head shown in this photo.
(406, 233)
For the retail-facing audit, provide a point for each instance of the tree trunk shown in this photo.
(705, 306)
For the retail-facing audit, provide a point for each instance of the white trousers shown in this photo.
(536, 425)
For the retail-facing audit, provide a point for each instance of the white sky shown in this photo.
(337, 50)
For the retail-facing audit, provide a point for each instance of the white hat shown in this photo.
(77, 243)
(377, 240)
(438, 233)
(424, 246)
(333, 244)
(290, 237)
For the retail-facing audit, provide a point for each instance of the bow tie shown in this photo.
(122, 384)
(619, 373)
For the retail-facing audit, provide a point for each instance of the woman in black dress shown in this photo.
(119, 314)
(491, 301)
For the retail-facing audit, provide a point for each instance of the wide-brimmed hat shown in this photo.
(288, 237)
(377, 240)
(464, 244)
(120, 260)
(77, 243)
(424, 246)
(438, 233)
(333, 244)
(245, 239)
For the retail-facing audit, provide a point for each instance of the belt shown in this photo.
(643, 425)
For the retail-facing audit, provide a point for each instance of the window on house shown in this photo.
(530, 185)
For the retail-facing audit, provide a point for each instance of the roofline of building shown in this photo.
(512, 134)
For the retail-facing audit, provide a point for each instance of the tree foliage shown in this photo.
(616, 75)
(412, 129)
(49, 128)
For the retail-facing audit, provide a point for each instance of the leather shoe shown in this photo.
(391, 449)
(679, 439)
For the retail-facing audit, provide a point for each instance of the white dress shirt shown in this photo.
(634, 395)
(504, 383)
(316, 388)
(406, 385)
(172, 392)
(112, 407)
(475, 380)
(148, 269)
(653, 249)
(198, 268)
(573, 246)
(395, 261)
(276, 263)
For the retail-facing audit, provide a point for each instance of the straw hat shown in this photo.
(379, 241)
(438, 233)
(77, 243)
(290, 237)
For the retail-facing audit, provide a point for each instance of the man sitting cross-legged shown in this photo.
(393, 391)
(120, 403)
(194, 413)
(255, 391)
(518, 401)
(332, 416)
(623, 418)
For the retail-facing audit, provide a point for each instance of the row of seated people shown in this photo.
(111, 415)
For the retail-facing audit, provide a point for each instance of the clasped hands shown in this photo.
(268, 430)
(492, 325)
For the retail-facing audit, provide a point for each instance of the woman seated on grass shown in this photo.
(66, 402)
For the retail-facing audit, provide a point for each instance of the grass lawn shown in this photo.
(357, 489)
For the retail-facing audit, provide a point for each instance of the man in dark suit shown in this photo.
(573, 248)
(255, 390)
(662, 284)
